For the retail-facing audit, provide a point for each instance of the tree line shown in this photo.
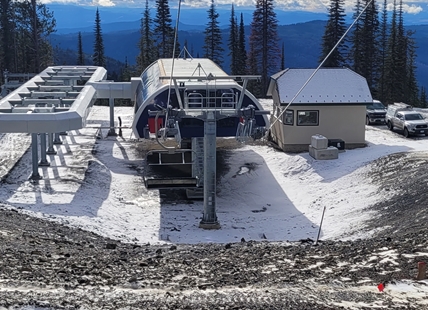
(378, 47)
(24, 30)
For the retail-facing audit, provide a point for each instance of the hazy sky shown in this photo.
(412, 7)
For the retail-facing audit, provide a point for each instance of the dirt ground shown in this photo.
(50, 266)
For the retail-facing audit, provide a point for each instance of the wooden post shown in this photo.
(422, 270)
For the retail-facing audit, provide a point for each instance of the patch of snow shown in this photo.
(97, 185)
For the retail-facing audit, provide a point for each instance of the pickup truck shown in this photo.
(375, 113)
(403, 117)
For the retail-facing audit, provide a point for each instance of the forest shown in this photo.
(377, 46)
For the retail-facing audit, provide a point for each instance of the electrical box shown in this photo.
(319, 142)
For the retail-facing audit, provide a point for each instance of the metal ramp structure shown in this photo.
(57, 100)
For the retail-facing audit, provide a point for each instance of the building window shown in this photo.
(288, 117)
(307, 118)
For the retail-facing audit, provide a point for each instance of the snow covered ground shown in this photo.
(97, 185)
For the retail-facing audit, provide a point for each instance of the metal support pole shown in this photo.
(209, 218)
(57, 140)
(111, 132)
(35, 157)
(51, 150)
(43, 159)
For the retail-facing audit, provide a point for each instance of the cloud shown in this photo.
(412, 9)
(102, 3)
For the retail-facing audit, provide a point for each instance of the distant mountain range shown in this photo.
(73, 18)
(302, 40)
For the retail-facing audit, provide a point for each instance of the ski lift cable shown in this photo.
(170, 81)
(320, 65)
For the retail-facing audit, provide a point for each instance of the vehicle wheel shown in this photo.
(406, 132)
(367, 120)
(390, 127)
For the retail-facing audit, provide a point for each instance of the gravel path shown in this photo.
(45, 265)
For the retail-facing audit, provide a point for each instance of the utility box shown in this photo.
(338, 143)
(319, 142)
(330, 152)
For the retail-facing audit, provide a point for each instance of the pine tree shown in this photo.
(383, 48)
(33, 24)
(125, 75)
(334, 30)
(401, 56)
(365, 50)
(6, 35)
(264, 42)
(213, 42)
(423, 98)
(253, 68)
(411, 90)
(233, 43)
(390, 80)
(283, 57)
(164, 32)
(98, 57)
(146, 46)
(80, 56)
(241, 61)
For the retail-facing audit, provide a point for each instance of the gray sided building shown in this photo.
(332, 104)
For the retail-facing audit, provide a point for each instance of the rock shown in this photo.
(111, 246)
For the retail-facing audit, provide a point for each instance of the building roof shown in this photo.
(158, 74)
(327, 86)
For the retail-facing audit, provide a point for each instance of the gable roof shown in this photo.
(327, 86)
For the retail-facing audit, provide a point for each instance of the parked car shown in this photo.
(375, 113)
(403, 117)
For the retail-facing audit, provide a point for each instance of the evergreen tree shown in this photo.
(399, 80)
(423, 98)
(233, 43)
(401, 56)
(253, 68)
(390, 80)
(411, 90)
(356, 55)
(383, 45)
(146, 46)
(365, 50)
(6, 35)
(264, 43)
(98, 57)
(33, 24)
(242, 51)
(80, 56)
(164, 32)
(334, 30)
(283, 57)
(125, 75)
(213, 42)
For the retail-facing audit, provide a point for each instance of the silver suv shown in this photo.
(403, 117)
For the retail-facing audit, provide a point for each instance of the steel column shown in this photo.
(57, 139)
(209, 218)
(35, 157)
(51, 150)
(111, 132)
(43, 159)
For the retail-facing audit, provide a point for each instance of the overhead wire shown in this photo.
(170, 82)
